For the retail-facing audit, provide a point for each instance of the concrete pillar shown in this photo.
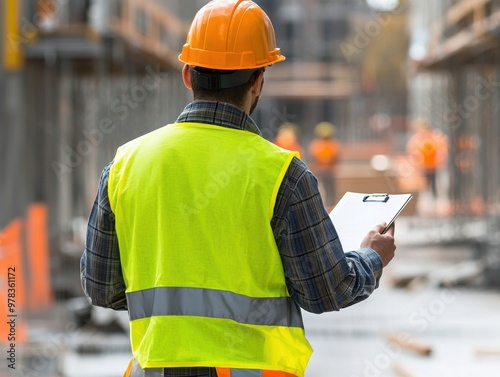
(13, 192)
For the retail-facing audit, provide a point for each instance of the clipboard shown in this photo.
(357, 213)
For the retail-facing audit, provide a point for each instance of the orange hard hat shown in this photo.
(231, 35)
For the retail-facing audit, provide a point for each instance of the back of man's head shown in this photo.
(229, 43)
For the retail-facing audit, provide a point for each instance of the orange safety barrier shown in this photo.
(12, 290)
(40, 292)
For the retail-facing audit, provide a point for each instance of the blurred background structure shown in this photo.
(454, 77)
(79, 78)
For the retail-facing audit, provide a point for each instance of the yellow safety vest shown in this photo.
(205, 283)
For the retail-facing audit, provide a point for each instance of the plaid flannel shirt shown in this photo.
(319, 275)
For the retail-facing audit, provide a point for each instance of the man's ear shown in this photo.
(257, 86)
(186, 76)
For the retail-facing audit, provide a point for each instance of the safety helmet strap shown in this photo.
(217, 80)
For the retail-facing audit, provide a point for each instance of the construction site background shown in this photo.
(79, 78)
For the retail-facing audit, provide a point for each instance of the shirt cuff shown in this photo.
(373, 259)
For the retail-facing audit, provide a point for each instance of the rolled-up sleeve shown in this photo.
(100, 267)
(319, 275)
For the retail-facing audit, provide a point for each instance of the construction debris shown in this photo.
(402, 371)
(487, 351)
(408, 343)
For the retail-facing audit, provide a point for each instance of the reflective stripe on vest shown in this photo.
(279, 311)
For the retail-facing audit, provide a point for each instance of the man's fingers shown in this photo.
(379, 228)
(391, 229)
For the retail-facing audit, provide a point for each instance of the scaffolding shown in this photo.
(91, 76)
(456, 84)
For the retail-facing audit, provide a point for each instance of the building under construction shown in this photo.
(79, 78)
(454, 76)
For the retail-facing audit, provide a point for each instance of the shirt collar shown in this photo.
(219, 114)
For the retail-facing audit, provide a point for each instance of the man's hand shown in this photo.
(383, 244)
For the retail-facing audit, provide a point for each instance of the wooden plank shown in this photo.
(463, 9)
(309, 89)
(162, 15)
(157, 17)
(312, 71)
(410, 344)
(402, 370)
(487, 351)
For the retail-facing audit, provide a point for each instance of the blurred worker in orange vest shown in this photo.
(324, 152)
(287, 138)
(428, 149)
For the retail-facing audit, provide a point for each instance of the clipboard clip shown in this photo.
(376, 198)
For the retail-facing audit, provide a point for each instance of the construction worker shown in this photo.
(287, 138)
(428, 150)
(213, 237)
(324, 152)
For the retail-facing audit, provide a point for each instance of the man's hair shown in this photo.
(235, 95)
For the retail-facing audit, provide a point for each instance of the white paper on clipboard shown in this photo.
(357, 213)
